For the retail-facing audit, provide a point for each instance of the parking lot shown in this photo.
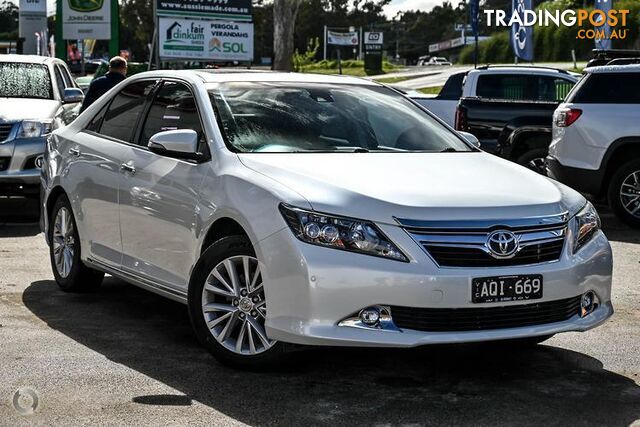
(123, 355)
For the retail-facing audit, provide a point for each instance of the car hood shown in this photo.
(418, 186)
(17, 109)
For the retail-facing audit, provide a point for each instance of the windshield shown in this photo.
(20, 80)
(323, 117)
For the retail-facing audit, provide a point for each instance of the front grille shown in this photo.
(5, 131)
(466, 243)
(4, 163)
(484, 318)
(473, 257)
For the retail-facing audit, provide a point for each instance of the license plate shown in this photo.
(506, 288)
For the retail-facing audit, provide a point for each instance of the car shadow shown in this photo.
(614, 229)
(465, 384)
(18, 230)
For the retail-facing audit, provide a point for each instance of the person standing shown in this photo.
(98, 87)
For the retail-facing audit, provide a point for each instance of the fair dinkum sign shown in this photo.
(206, 40)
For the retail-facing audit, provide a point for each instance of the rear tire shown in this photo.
(624, 193)
(227, 306)
(64, 251)
(534, 160)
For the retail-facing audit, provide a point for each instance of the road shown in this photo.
(437, 76)
(125, 356)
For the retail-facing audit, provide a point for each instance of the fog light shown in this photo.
(588, 303)
(370, 316)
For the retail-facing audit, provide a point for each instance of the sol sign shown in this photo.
(205, 40)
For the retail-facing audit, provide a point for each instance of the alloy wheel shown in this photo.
(234, 306)
(630, 193)
(537, 165)
(63, 242)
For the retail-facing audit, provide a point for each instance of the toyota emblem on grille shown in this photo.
(502, 244)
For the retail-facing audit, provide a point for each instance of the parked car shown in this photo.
(596, 139)
(37, 95)
(318, 210)
(510, 109)
(605, 56)
(443, 104)
(438, 60)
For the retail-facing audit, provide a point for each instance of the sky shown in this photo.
(401, 5)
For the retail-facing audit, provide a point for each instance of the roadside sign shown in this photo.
(461, 27)
(224, 9)
(349, 38)
(373, 37)
(32, 19)
(207, 40)
(86, 19)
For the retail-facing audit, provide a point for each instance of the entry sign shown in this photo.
(373, 37)
(342, 39)
(207, 40)
(86, 19)
(373, 52)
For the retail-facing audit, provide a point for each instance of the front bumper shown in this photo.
(311, 289)
(21, 173)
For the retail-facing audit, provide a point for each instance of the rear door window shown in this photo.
(608, 88)
(452, 89)
(125, 109)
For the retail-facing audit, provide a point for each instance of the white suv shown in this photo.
(320, 210)
(596, 138)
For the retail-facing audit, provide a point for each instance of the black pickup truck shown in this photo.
(510, 110)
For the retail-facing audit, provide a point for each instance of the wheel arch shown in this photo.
(53, 195)
(529, 138)
(618, 153)
(222, 227)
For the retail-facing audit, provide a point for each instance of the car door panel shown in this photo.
(158, 213)
(94, 164)
(158, 202)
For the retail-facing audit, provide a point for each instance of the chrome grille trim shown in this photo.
(463, 244)
(6, 131)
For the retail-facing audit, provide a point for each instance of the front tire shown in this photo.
(227, 306)
(624, 193)
(64, 251)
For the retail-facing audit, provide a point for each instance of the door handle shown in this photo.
(126, 167)
(74, 152)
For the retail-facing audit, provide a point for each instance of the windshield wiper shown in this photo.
(449, 150)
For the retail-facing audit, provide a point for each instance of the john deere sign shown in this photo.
(205, 40)
(86, 19)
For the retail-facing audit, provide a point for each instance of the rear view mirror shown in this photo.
(180, 143)
(72, 95)
(470, 138)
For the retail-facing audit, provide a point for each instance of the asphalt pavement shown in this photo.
(124, 356)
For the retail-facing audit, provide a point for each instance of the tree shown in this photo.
(284, 23)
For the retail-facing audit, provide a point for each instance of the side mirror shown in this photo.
(470, 138)
(180, 143)
(72, 95)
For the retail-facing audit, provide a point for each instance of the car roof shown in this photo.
(27, 59)
(234, 75)
(630, 68)
(518, 69)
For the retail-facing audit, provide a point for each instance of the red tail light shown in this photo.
(461, 119)
(566, 116)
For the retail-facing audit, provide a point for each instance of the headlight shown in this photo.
(587, 223)
(337, 232)
(34, 128)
